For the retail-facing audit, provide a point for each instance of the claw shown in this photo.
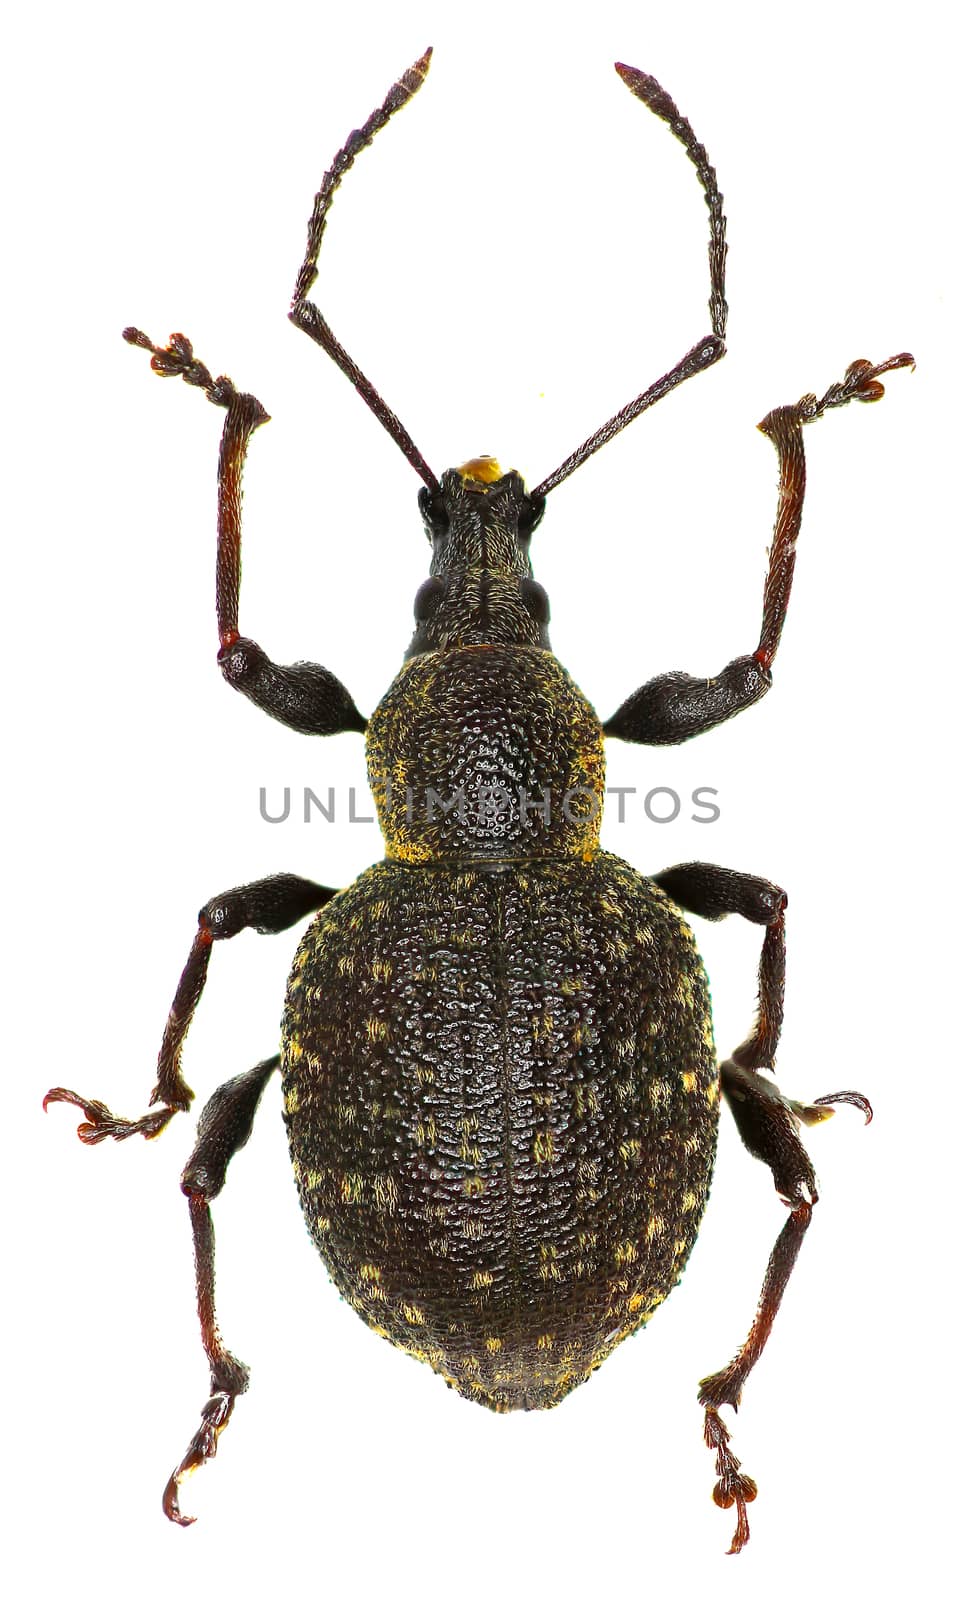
(860, 382)
(215, 1415)
(176, 360)
(893, 363)
(848, 1097)
(103, 1124)
(733, 1488)
(861, 378)
(821, 1109)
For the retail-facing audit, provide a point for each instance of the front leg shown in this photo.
(675, 706)
(305, 696)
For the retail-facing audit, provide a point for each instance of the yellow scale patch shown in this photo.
(481, 469)
(386, 1192)
(586, 1099)
(685, 990)
(352, 1188)
(543, 1147)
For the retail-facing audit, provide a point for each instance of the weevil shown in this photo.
(499, 1078)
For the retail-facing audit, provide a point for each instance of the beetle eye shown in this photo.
(536, 600)
(531, 514)
(428, 599)
(434, 511)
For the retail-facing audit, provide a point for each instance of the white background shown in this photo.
(521, 252)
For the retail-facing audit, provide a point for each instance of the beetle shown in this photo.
(500, 1083)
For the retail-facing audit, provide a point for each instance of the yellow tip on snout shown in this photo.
(481, 469)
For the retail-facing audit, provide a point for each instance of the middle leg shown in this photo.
(270, 905)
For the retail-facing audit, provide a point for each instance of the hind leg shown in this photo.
(224, 1127)
(768, 1124)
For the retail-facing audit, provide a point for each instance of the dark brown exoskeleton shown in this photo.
(499, 1077)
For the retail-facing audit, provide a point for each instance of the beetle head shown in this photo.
(480, 588)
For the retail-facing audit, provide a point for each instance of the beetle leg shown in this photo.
(269, 905)
(305, 696)
(716, 892)
(768, 1130)
(675, 706)
(768, 1124)
(224, 1127)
